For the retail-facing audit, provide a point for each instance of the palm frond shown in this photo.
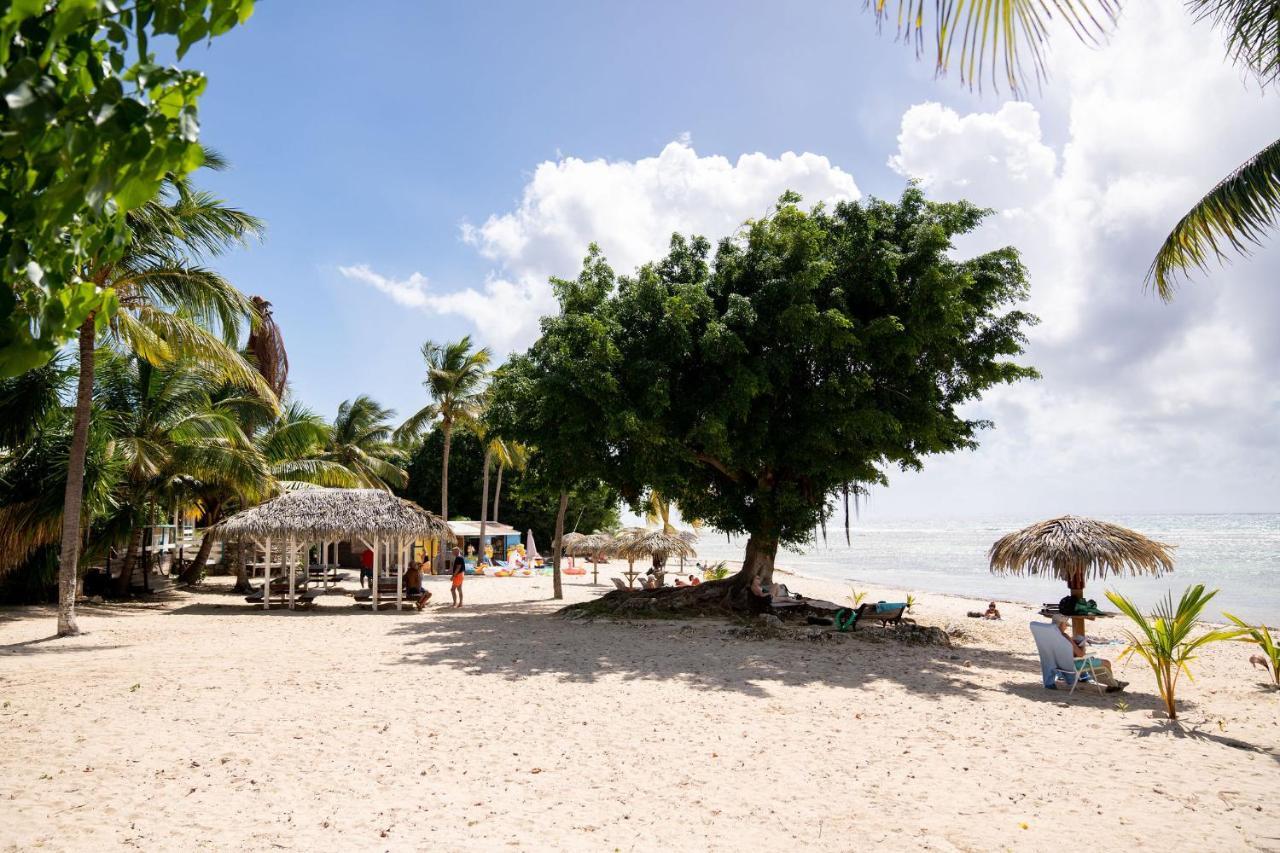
(1253, 33)
(1014, 33)
(1235, 214)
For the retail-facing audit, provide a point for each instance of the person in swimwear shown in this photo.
(459, 572)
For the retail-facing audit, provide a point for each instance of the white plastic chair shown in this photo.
(1057, 659)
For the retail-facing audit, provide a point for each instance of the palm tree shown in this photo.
(176, 439)
(1237, 213)
(359, 441)
(457, 377)
(169, 308)
(292, 448)
(508, 454)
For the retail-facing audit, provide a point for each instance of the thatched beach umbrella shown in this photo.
(589, 545)
(1074, 549)
(384, 522)
(637, 542)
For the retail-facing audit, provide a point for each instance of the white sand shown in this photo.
(203, 723)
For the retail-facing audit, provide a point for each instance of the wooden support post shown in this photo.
(377, 574)
(292, 558)
(266, 579)
(399, 574)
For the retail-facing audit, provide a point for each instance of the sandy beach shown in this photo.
(199, 722)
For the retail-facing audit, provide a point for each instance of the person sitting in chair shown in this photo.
(1086, 663)
(413, 585)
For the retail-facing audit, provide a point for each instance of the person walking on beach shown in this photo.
(366, 567)
(459, 572)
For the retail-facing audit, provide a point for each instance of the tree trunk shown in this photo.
(497, 493)
(557, 590)
(484, 500)
(242, 576)
(758, 560)
(130, 558)
(192, 573)
(444, 496)
(73, 499)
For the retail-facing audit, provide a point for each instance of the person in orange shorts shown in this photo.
(459, 572)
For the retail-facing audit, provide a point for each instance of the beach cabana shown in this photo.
(1074, 549)
(296, 520)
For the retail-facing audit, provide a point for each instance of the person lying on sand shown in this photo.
(1084, 660)
(413, 585)
(992, 612)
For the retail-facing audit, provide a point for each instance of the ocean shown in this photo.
(1239, 555)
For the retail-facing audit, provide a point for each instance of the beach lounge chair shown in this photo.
(619, 584)
(1057, 661)
(884, 611)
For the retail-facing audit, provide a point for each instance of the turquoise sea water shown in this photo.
(1237, 554)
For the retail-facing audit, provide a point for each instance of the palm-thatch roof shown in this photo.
(588, 544)
(1073, 548)
(636, 542)
(333, 514)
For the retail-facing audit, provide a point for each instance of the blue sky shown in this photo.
(368, 138)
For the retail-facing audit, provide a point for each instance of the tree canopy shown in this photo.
(811, 353)
(90, 126)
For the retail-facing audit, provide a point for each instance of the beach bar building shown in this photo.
(287, 527)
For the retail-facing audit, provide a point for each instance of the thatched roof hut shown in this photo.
(388, 525)
(314, 514)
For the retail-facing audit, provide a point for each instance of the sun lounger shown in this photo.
(619, 584)
(847, 619)
(1057, 662)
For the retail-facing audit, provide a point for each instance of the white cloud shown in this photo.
(1142, 404)
(630, 208)
(993, 159)
(411, 292)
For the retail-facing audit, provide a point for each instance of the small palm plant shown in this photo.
(1261, 636)
(856, 597)
(1164, 639)
(911, 602)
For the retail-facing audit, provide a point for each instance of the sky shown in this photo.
(423, 168)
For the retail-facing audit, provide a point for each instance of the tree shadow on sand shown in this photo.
(43, 645)
(1178, 729)
(523, 640)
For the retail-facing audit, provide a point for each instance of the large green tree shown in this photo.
(1236, 214)
(811, 354)
(90, 126)
(554, 397)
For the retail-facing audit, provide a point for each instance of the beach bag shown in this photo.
(1068, 605)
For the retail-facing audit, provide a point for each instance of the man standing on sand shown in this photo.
(459, 572)
(366, 567)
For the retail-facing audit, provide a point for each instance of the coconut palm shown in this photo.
(292, 447)
(177, 436)
(1260, 636)
(360, 442)
(1236, 214)
(1164, 640)
(508, 454)
(170, 307)
(457, 377)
